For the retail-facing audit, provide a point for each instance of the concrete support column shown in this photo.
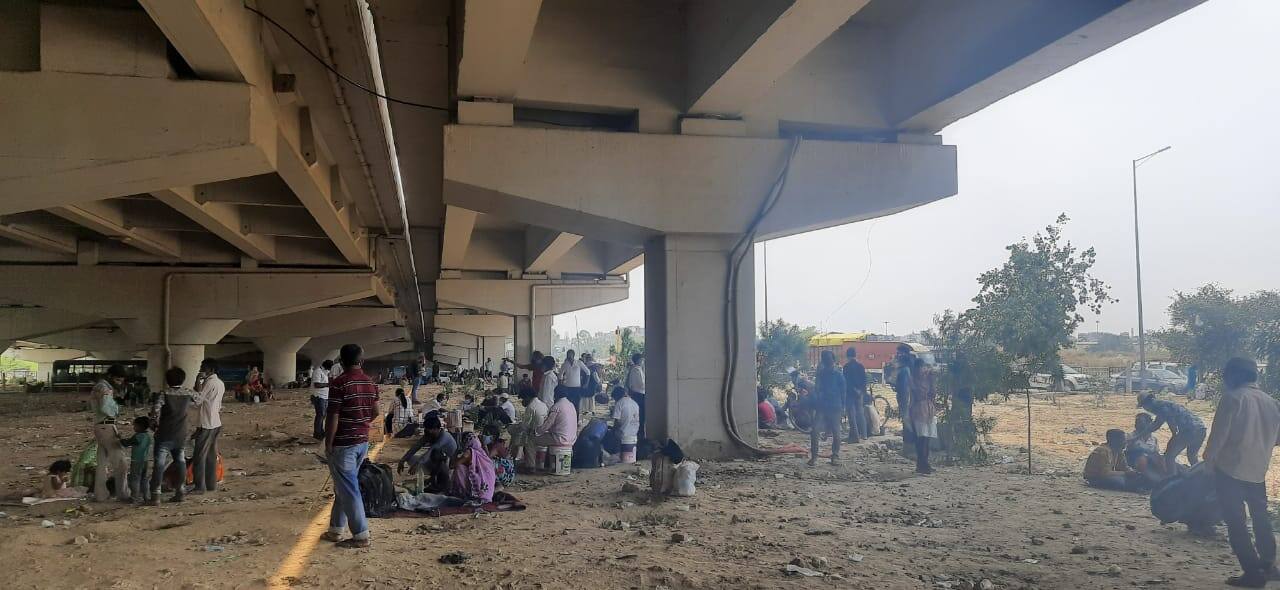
(685, 299)
(44, 371)
(280, 357)
(495, 347)
(186, 356)
(532, 335)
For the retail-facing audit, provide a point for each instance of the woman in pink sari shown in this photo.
(473, 475)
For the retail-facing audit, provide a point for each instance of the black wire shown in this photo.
(340, 74)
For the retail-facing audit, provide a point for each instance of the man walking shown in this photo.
(352, 407)
(855, 383)
(827, 404)
(102, 402)
(171, 410)
(1246, 427)
(319, 397)
(208, 403)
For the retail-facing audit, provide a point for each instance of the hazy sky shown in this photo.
(1206, 82)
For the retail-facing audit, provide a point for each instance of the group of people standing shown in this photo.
(159, 439)
(841, 392)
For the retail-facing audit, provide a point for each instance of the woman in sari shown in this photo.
(257, 385)
(473, 474)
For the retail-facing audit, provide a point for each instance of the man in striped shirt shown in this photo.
(352, 407)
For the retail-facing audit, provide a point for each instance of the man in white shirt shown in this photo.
(320, 397)
(547, 393)
(535, 412)
(572, 372)
(626, 419)
(508, 407)
(635, 384)
(208, 403)
(488, 368)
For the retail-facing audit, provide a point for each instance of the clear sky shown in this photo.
(1206, 82)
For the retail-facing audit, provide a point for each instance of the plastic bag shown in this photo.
(685, 477)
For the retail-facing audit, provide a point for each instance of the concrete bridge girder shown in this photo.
(458, 339)
(476, 324)
(517, 297)
(324, 321)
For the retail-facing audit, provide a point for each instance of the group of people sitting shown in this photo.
(256, 387)
(1133, 461)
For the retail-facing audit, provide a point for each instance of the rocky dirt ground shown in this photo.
(868, 523)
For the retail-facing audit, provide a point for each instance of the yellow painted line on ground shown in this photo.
(296, 561)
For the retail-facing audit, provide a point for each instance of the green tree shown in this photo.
(1028, 307)
(781, 346)
(627, 345)
(1207, 327)
(1264, 308)
(973, 361)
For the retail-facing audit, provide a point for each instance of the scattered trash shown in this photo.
(630, 488)
(680, 538)
(793, 569)
(79, 540)
(856, 558)
(1113, 571)
(47, 524)
(616, 525)
(455, 558)
(986, 584)
(214, 548)
(1031, 561)
(1079, 549)
(819, 532)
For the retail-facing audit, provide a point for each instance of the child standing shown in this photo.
(141, 443)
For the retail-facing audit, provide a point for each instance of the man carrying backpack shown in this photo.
(352, 407)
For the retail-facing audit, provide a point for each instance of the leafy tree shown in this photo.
(1206, 327)
(973, 361)
(781, 346)
(1028, 307)
(627, 345)
(1264, 308)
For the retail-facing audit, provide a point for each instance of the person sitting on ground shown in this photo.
(1105, 468)
(468, 403)
(505, 403)
(141, 441)
(56, 484)
(401, 421)
(433, 464)
(522, 433)
(504, 469)
(767, 414)
(1188, 429)
(491, 420)
(256, 384)
(560, 428)
(473, 472)
(1142, 450)
(434, 404)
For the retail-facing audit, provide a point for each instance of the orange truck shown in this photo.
(873, 354)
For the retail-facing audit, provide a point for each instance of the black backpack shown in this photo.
(377, 489)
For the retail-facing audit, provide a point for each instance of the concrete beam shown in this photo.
(495, 39)
(544, 247)
(457, 339)
(459, 224)
(629, 187)
(314, 184)
(219, 39)
(443, 359)
(263, 190)
(483, 325)
(150, 141)
(628, 265)
(735, 55)
(381, 349)
(223, 219)
(53, 239)
(518, 297)
(108, 219)
(954, 61)
(271, 221)
(25, 323)
(324, 321)
(92, 339)
(322, 345)
(454, 351)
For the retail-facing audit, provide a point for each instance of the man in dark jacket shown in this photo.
(855, 384)
(827, 405)
(171, 408)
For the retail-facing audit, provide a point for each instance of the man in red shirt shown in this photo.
(353, 405)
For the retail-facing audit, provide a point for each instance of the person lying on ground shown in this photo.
(1188, 429)
(473, 472)
(1142, 451)
(1105, 468)
(440, 448)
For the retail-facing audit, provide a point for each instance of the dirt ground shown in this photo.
(868, 523)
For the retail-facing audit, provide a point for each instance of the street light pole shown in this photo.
(1137, 254)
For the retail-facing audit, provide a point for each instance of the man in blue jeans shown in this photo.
(171, 409)
(352, 407)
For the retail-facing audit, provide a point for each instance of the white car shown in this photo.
(1072, 380)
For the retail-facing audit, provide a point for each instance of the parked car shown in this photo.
(1157, 381)
(1168, 366)
(1072, 380)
